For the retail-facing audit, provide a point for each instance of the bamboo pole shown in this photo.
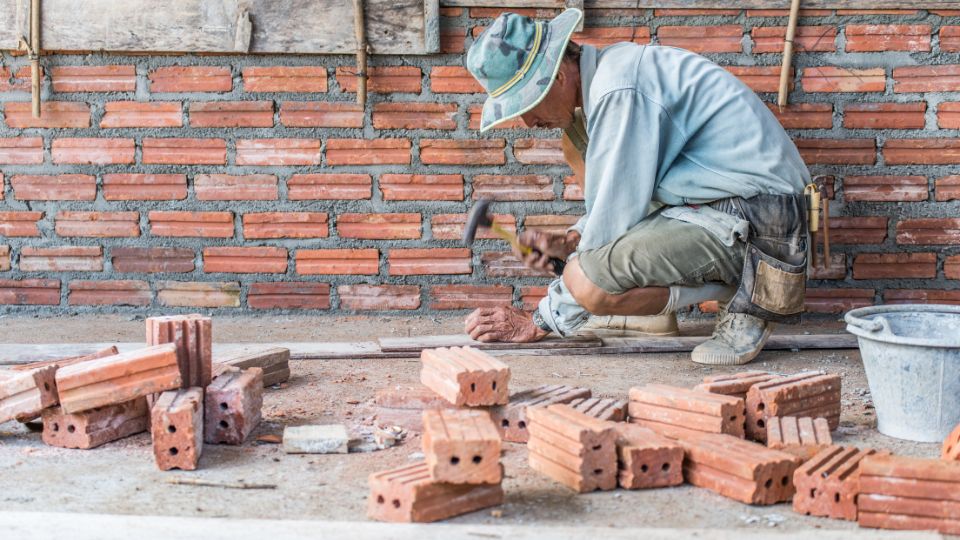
(788, 54)
(34, 52)
(359, 28)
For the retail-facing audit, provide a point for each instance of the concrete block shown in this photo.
(324, 439)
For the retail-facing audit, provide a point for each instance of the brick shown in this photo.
(96, 427)
(379, 226)
(786, 12)
(888, 37)
(897, 12)
(368, 152)
(498, 264)
(921, 296)
(70, 360)
(415, 116)
(191, 79)
(928, 232)
(949, 38)
(18, 81)
(921, 151)
(453, 80)
(21, 150)
(20, 224)
(321, 114)
(299, 79)
(899, 492)
(474, 122)
(407, 494)
(951, 446)
(289, 295)
(733, 384)
(614, 410)
(494, 12)
(828, 485)
(838, 151)
(422, 187)
(843, 79)
(144, 187)
(191, 224)
(835, 268)
(511, 419)
(670, 409)
(885, 188)
(93, 78)
(30, 292)
(338, 261)
(110, 293)
(152, 260)
(98, 224)
(231, 407)
(245, 260)
(231, 114)
(884, 115)
(703, 39)
(605, 36)
(229, 187)
(5, 258)
(685, 12)
(858, 230)
(53, 114)
(117, 379)
(461, 446)
(550, 223)
(948, 115)
(278, 152)
(804, 115)
(24, 395)
(951, 267)
(830, 300)
(183, 151)
(810, 393)
(939, 78)
(770, 39)
(426, 261)
(404, 406)
(139, 114)
(450, 226)
(383, 79)
(529, 187)
(465, 376)
(198, 294)
(470, 296)
(273, 361)
(323, 439)
(760, 78)
(895, 265)
(646, 460)
(62, 187)
(572, 448)
(538, 152)
(61, 259)
(192, 336)
(301, 187)
(452, 40)
(277, 225)
(803, 437)
(176, 426)
(462, 152)
(379, 297)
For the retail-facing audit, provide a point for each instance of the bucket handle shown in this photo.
(875, 324)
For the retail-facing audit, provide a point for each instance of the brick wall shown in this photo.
(255, 182)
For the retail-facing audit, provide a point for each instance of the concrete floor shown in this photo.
(120, 478)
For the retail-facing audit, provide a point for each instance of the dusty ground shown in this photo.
(121, 478)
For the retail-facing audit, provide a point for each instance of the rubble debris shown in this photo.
(465, 376)
(802, 437)
(811, 393)
(320, 439)
(614, 410)
(193, 336)
(899, 492)
(232, 404)
(511, 419)
(373, 439)
(672, 410)
(462, 446)
(572, 448)
(828, 484)
(645, 459)
(176, 425)
(95, 427)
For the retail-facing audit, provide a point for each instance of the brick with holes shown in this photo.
(462, 446)
(407, 494)
(404, 405)
(614, 410)
(193, 336)
(828, 484)
(176, 425)
(465, 376)
(671, 410)
(511, 418)
(803, 437)
(810, 393)
(96, 427)
(899, 492)
(951, 445)
(231, 407)
(646, 459)
(733, 384)
(24, 394)
(572, 448)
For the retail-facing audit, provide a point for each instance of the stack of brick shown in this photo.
(577, 450)
(614, 410)
(646, 459)
(802, 437)
(93, 428)
(811, 393)
(25, 394)
(828, 484)
(461, 472)
(676, 412)
(511, 419)
(465, 376)
(193, 336)
(951, 445)
(909, 493)
(734, 384)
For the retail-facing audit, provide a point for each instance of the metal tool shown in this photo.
(480, 217)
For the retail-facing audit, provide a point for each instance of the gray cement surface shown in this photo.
(120, 478)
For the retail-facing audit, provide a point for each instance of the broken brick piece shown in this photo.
(828, 484)
(811, 393)
(404, 406)
(274, 361)
(614, 410)
(734, 384)
(951, 445)
(462, 446)
(511, 419)
(24, 394)
(672, 410)
(899, 492)
(572, 448)
(646, 459)
(407, 494)
(176, 424)
(193, 336)
(802, 437)
(465, 376)
(90, 429)
(119, 378)
(232, 404)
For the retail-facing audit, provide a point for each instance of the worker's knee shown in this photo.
(585, 292)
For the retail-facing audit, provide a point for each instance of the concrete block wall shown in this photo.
(255, 182)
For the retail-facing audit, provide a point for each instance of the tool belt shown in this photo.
(773, 283)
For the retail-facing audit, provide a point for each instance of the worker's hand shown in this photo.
(505, 324)
(545, 245)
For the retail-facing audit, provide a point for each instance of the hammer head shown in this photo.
(479, 217)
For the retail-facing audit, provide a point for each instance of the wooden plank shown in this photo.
(462, 340)
(711, 4)
(256, 26)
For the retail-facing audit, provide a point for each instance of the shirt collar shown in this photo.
(588, 68)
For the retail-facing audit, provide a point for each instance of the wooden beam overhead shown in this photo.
(712, 4)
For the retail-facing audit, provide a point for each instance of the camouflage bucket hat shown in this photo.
(516, 60)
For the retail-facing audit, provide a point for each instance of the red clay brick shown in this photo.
(843, 79)
(494, 12)
(191, 224)
(921, 296)
(63, 187)
(802, 437)
(152, 260)
(231, 408)
(24, 395)
(245, 260)
(453, 80)
(93, 151)
(193, 337)
(686, 12)
(382, 80)
(462, 152)
(300, 79)
(838, 151)
(276, 225)
(321, 114)
(368, 152)
(4, 258)
(228, 187)
(810, 393)
(231, 114)
(829, 300)
(858, 230)
(670, 409)
(888, 37)
(504, 264)
(422, 187)
(70, 360)
(379, 226)
(424, 261)
(139, 114)
(529, 187)
(770, 39)
(96, 427)
(93, 78)
(948, 115)
(450, 226)
(760, 78)
(144, 187)
(940, 78)
(733, 384)
(338, 261)
(921, 151)
(951, 267)
(899, 492)
(278, 152)
(191, 79)
(404, 406)
(647, 460)
(550, 223)
(53, 114)
(110, 293)
(465, 376)
(30, 292)
(511, 419)
(18, 81)
(538, 152)
(198, 294)
(461, 446)
(928, 232)
(452, 40)
(471, 296)
(701, 39)
(288, 295)
(98, 224)
(898, 12)
(61, 259)
(379, 297)
(407, 494)
(21, 150)
(606, 36)
(474, 122)
(804, 115)
(828, 485)
(184, 151)
(415, 116)
(176, 426)
(302, 187)
(885, 188)
(951, 445)
(895, 265)
(884, 115)
(572, 448)
(949, 38)
(614, 410)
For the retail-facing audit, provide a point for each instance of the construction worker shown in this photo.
(693, 190)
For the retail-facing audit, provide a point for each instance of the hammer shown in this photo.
(480, 217)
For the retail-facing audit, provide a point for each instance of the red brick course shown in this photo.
(144, 187)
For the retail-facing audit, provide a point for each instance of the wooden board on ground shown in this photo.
(274, 361)
(419, 343)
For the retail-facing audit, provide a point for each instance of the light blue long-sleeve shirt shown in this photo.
(668, 126)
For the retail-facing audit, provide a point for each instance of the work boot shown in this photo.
(737, 339)
(631, 326)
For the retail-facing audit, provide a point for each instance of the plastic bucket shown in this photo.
(911, 354)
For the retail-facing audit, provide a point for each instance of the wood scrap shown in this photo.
(240, 484)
